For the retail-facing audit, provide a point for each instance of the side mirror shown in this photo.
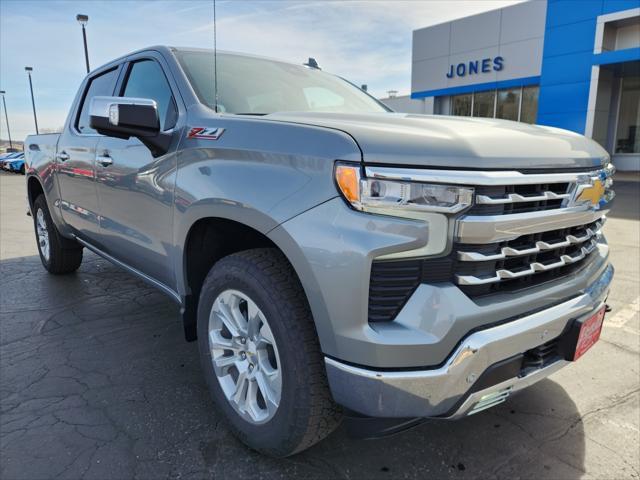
(124, 117)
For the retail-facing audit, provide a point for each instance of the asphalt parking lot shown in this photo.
(96, 381)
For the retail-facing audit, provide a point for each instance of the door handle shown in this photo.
(104, 160)
(62, 156)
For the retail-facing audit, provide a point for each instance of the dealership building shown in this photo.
(573, 64)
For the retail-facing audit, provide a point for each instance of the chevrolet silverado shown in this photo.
(330, 257)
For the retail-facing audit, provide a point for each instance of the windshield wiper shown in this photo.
(251, 113)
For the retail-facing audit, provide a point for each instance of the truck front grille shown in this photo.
(524, 262)
(480, 270)
(523, 230)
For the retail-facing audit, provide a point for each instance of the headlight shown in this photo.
(393, 197)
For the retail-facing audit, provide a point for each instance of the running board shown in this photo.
(142, 276)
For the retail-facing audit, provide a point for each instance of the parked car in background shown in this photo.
(330, 256)
(7, 158)
(17, 164)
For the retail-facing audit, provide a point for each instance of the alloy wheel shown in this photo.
(245, 356)
(43, 234)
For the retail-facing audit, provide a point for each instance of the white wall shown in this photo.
(406, 104)
(516, 33)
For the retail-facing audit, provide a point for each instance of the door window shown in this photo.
(628, 138)
(147, 80)
(508, 104)
(529, 104)
(483, 104)
(102, 85)
(462, 105)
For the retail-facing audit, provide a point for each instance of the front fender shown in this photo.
(256, 197)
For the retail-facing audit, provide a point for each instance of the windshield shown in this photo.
(248, 85)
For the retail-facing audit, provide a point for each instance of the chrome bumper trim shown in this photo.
(429, 393)
(482, 229)
(500, 392)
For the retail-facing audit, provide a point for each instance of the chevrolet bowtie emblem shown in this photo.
(592, 194)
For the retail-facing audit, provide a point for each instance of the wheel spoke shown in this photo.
(239, 395)
(252, 401)
(218, 342)
(236, 314)
(254, 325)
(224, 363)
(266, 335)
(227, 317)
(267, 392)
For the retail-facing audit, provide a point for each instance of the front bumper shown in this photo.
(451, 390)
(332, 248)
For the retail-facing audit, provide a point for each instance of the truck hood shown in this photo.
(445, 141)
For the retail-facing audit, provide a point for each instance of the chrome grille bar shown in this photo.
(540, 246)
(478, 177)
(498, 228)
(535, 267)
(517, 198)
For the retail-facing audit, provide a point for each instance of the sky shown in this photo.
(367, 42)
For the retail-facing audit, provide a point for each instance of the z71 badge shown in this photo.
(205, 133)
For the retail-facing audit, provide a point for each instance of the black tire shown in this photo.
(306, 413)
(22, 169)
(65, 255)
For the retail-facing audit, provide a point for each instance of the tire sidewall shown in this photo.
(279, 427)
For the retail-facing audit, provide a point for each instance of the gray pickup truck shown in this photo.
(332, 258)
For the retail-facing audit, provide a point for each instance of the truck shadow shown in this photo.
(97, 379)
(535, 434)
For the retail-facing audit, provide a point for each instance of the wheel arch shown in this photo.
(209, 239)
(34, 189)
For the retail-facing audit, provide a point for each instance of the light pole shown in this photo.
(33, 102)
(6, 116)
(83, 19)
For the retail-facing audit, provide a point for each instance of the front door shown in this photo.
(75, 160)
(135, 190)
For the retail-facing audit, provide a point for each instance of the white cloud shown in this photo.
(364, 41)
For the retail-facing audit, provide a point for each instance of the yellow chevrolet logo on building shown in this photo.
(592, 194)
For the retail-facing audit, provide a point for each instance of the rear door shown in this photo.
(135, 189)
(75, 159)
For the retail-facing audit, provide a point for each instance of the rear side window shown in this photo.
(146, 80)
(99, 86)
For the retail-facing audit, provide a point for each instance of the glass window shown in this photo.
(461, 105)
(99, 86)
(320, 98)
(508, 104)
(483, 104)
(628, 136)
(529, 111)
(249, 85)
(147, 80)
